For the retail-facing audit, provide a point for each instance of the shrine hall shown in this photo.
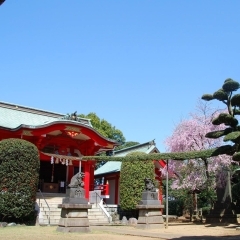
(61, 140)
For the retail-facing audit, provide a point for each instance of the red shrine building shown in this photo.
(61, 140)
(109, 173)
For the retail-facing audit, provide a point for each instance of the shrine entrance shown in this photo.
(52, 177)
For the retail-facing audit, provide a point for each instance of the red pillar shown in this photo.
(92, 165)
(87, 172)
(116, 188)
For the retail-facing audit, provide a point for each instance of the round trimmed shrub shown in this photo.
(132, 184)
(19, 171)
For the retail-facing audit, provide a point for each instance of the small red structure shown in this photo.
(110, 171)
(104, 189)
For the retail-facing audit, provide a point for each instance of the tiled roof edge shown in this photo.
(38, 111)
(30, 110)
(112, 171)
(150, 143)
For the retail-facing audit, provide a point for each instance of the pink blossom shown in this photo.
(189, 135)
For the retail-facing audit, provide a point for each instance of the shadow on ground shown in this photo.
(236, 237)
(206, 237)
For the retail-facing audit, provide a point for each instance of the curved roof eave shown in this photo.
(32, 127)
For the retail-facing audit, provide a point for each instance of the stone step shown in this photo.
(92, 211)
(99, 223)
(52, 207)
(51, 210)
(96, 217)
(97, 207)
(55, 214)
(52, 222)
(98, 220)
(51, 199)
(51, 218)
(96, 214)
(49, 203)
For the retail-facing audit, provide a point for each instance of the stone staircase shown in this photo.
(96, 215)
(52, 216)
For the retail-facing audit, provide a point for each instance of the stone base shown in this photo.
(74, 218)
(149, 198)
(150, 216)
(226, 219)
(73, 222)
(68, 200)
(73, 229)
(222, 213)
(150, 220)
(72, 213)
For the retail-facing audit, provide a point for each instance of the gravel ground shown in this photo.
(181, 231)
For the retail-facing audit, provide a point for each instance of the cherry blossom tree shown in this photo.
(189, 135)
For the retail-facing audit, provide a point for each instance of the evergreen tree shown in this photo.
(132, 177)
(19, 170)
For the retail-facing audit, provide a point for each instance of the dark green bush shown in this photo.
(175, 207)
(206, 211)
(19, 170)
(132, 181)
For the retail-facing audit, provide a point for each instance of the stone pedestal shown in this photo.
(222, 213)
(150, 215)
(74, 213)
(223, 210)
(74, 218)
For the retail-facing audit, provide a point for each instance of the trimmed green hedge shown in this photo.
(180, 156)
(19, 171)
(132, 177)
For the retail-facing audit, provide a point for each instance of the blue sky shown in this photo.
(141, 65)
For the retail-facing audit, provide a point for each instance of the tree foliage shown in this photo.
(126, 145)
(104, 127)
(232, 128)
(107, 130)
(132, 177)
(19, 169)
